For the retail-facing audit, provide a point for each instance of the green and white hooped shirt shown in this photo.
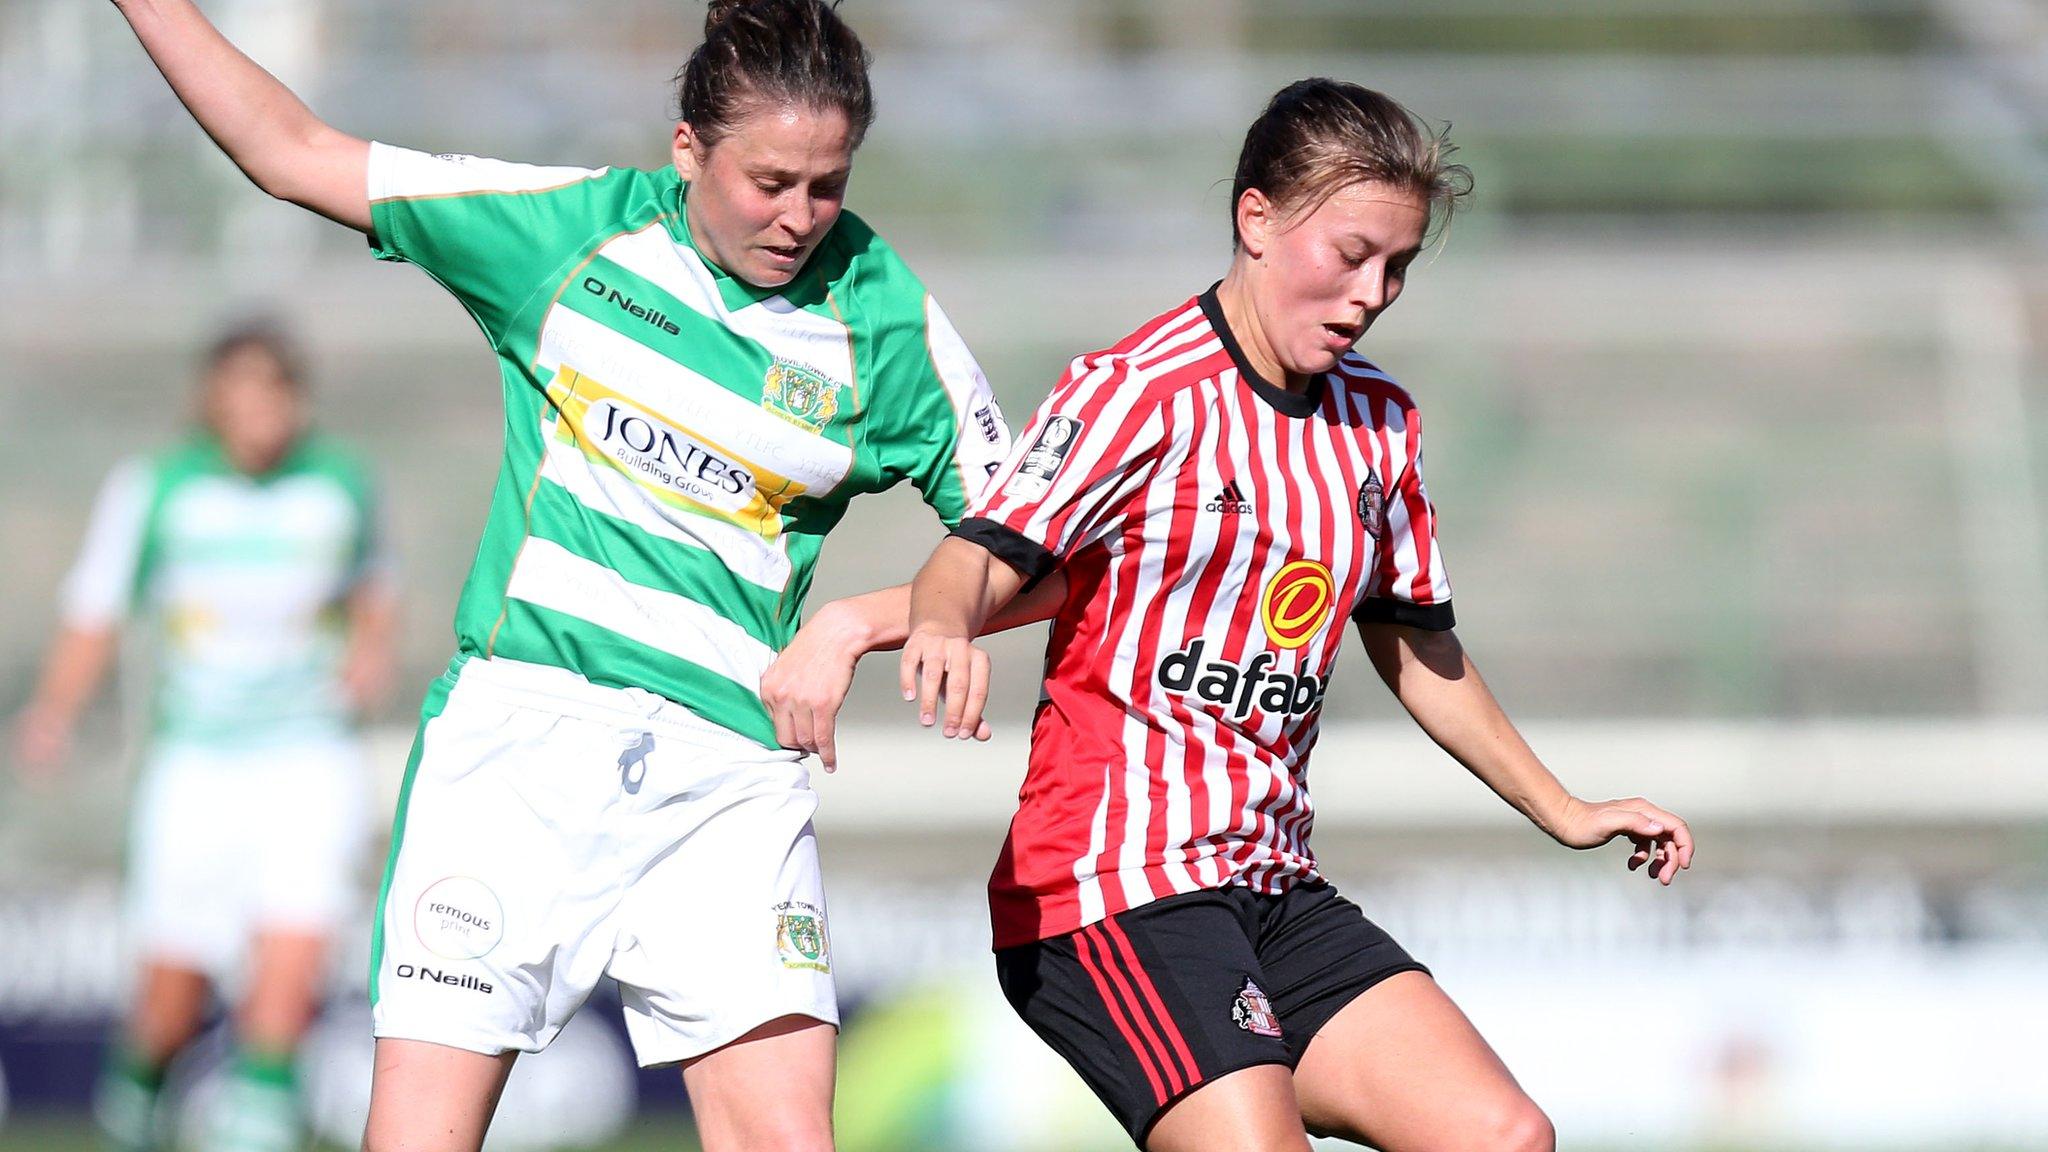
(245, 579)
(677, 442)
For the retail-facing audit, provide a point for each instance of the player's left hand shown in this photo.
(805, 687)
(1663, 842)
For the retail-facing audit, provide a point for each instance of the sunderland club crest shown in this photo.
(1253, 1012)
(1372, 504)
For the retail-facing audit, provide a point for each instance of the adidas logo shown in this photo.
(1230, 499)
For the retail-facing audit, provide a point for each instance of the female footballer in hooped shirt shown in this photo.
(1219, 491)
(701, 364)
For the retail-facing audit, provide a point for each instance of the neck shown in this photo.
(697, 238)
(1235, 295)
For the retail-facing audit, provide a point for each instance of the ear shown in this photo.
(687, 150)
(1255, 222)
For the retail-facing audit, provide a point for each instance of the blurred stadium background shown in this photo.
(1738, 414)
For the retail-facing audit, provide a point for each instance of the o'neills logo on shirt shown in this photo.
(1239, 689)
(631, 307)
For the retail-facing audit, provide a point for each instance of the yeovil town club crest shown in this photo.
(800, 936)
(800, 394)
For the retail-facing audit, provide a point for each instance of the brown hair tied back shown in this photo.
(1319, 135)
(264, 335)
(780, 51)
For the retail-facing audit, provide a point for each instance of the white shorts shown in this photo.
(229, 842)
(552, 832)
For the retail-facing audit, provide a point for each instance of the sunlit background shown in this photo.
(1737, 413)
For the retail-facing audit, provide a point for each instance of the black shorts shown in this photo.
(1152, 1003)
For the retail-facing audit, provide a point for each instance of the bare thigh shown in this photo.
(1402, 1069)
(1250, 1110)
(432, 1098)
(769, 1090)
(286, 978)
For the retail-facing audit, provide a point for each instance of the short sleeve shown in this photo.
(491, 232)
(951, 436)
(101, 588)
(1408, 585)
(1070, 480)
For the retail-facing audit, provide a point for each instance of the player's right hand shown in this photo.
(949, 672)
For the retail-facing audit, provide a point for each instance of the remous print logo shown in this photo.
(800, 936)
(459, 917)
(1297, 600)
(800, 394)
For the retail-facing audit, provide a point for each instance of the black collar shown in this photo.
(1284, 402)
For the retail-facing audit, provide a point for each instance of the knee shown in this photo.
(1521, 1127)
(787, 1142)
(274, 1027)
(790, 1136)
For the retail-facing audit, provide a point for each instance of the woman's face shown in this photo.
(253, 408)
(1325, 275)
(768, 191)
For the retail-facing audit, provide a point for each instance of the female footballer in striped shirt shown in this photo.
(1219, 492)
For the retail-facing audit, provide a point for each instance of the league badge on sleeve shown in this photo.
(1033, 478)
(1372, 504)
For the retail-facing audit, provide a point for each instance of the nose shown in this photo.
(1373, 290)
(800, 216)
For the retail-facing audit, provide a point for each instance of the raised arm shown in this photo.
(268, 132)
(1440, 687)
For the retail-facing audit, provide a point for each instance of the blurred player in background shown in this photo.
(1222, 489)
(254, 550)
(702, 365)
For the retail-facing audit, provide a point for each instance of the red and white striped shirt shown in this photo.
(1215, 531)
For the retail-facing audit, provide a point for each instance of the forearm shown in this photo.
(961, 590)
(372, 656)
(372, 617)
(267, 131)
(1441, 688)
(78, 662)
(879, 621)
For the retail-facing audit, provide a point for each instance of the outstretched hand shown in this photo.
(1663, 842)
(949, 672)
